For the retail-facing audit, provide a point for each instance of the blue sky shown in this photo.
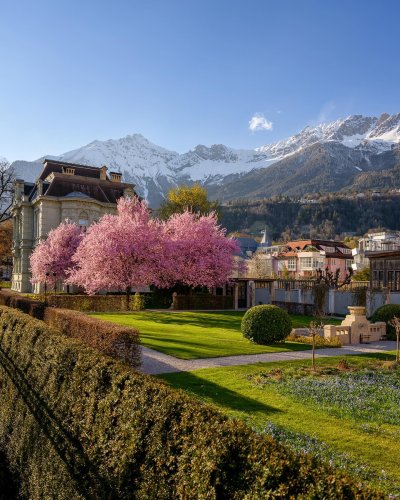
(188, 72)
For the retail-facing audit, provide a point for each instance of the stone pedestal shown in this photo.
(355, 328)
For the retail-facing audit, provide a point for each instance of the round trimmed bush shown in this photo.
(386, 313)
(266, 324)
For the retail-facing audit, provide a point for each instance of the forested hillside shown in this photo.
(324, 216)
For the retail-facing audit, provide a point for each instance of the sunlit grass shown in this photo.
(193, 335)
(235, 391)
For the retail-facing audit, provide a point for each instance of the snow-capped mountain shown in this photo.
(154, 170)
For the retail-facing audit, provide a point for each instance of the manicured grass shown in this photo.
(233, 389)
(193, 335)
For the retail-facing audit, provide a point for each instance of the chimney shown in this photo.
(115, 176)
(103, 173)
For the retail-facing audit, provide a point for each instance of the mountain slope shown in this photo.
(324, 157)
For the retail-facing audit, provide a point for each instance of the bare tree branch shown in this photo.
(6, 189)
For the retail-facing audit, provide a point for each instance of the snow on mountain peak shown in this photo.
(154, 169)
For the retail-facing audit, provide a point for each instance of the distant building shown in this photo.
(62, 191)
(374, 241)
(303, 258)
(385, 269)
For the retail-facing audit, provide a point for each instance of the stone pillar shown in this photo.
(251, 294)
(236, 296)
(387, 295)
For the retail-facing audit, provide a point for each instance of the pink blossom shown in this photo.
(51, 260)
(120, 251)
(198, 251)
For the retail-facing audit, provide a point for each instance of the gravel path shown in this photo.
(154, 362)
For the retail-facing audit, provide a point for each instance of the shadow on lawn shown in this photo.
(215, 394)
(225, 320)
(191, 348)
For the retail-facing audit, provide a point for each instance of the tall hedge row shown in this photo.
(114, 340)
(76, 424)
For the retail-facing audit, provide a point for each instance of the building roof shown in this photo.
(246, 245)
(102, 190)
(56, 166)
(383, 255)
(85, 182)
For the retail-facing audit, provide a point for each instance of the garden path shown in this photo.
(155, 362)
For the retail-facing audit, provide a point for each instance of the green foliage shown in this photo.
(117, 341)
(138, 302)
(75, 424)
(266, 324)
(319, 341)
(193, 198)
(362, 275)
(386, 313)
(331, 215)
(5, 284)
(197, 334)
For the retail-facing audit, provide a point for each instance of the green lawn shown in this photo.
(193, 335)
(233, 389)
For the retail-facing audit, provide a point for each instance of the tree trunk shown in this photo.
(128, 296)
(313, 353)
(398, 348)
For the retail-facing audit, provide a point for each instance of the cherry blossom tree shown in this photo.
(51, 260)
(120, 251)
(130, 249)
(198, 251)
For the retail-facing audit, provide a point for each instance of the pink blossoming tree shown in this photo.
(198, 250)
(120, 251)
(51, 260)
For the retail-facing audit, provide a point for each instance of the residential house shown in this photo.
(303, 258)
(385, 269)
(374, 241)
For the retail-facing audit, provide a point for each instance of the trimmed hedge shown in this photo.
(386, 313)
(202, 301)
(75, 424)
(266, 324)
(34, 308)
(95, 303)
(113, 340)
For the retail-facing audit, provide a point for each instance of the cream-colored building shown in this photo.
(62, 191)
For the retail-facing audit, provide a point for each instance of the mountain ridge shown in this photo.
(318, 157)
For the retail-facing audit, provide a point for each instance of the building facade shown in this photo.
(303, 258)
(374, 241)
(385, 270)
(62, 191)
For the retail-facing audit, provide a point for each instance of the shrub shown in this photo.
(386, 313)
(114, 340)
(319, 341)
(138, 302)
(34, 308)
(266, 324)
(75, 424)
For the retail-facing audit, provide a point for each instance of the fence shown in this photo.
(337, 301)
